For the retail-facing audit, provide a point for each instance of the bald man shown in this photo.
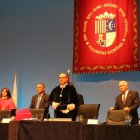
(128, 101)
(64, 99)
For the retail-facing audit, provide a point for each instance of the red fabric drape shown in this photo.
(105, 36)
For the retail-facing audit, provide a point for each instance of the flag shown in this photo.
(105, 36)
(14, 94)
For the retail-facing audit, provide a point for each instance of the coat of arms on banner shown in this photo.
(105, 29)
(105, 36)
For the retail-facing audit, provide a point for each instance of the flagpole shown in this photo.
(71, 78)
(14, 94)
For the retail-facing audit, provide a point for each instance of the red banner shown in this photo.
(105, 36)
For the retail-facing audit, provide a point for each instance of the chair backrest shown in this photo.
(80, 99)
(5, 114)
(38, 113)
(118, 117)
(89, 111)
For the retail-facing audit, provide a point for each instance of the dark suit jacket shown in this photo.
(132, 101)
(44, 103)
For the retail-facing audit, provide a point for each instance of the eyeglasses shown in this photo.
(61, 77)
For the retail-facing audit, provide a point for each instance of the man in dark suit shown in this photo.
(41, 99)
(128, 101)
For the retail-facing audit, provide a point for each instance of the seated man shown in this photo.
(64, 99)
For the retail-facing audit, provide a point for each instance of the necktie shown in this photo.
(123, 99)
(38, 101)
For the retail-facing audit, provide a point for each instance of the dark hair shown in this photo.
(8, 92)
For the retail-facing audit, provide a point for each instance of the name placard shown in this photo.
(60, 119)
(6, 120)
(92, 121)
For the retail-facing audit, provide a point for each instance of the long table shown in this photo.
(37, 130)
(108, 132)
(4, 131)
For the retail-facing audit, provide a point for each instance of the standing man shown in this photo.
(64, 99)
(128, 101)
(41, 99)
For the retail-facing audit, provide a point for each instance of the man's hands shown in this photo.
(126, 109)
(55, 105)
(70, 107)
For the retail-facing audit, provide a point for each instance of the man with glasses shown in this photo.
(64, 99)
